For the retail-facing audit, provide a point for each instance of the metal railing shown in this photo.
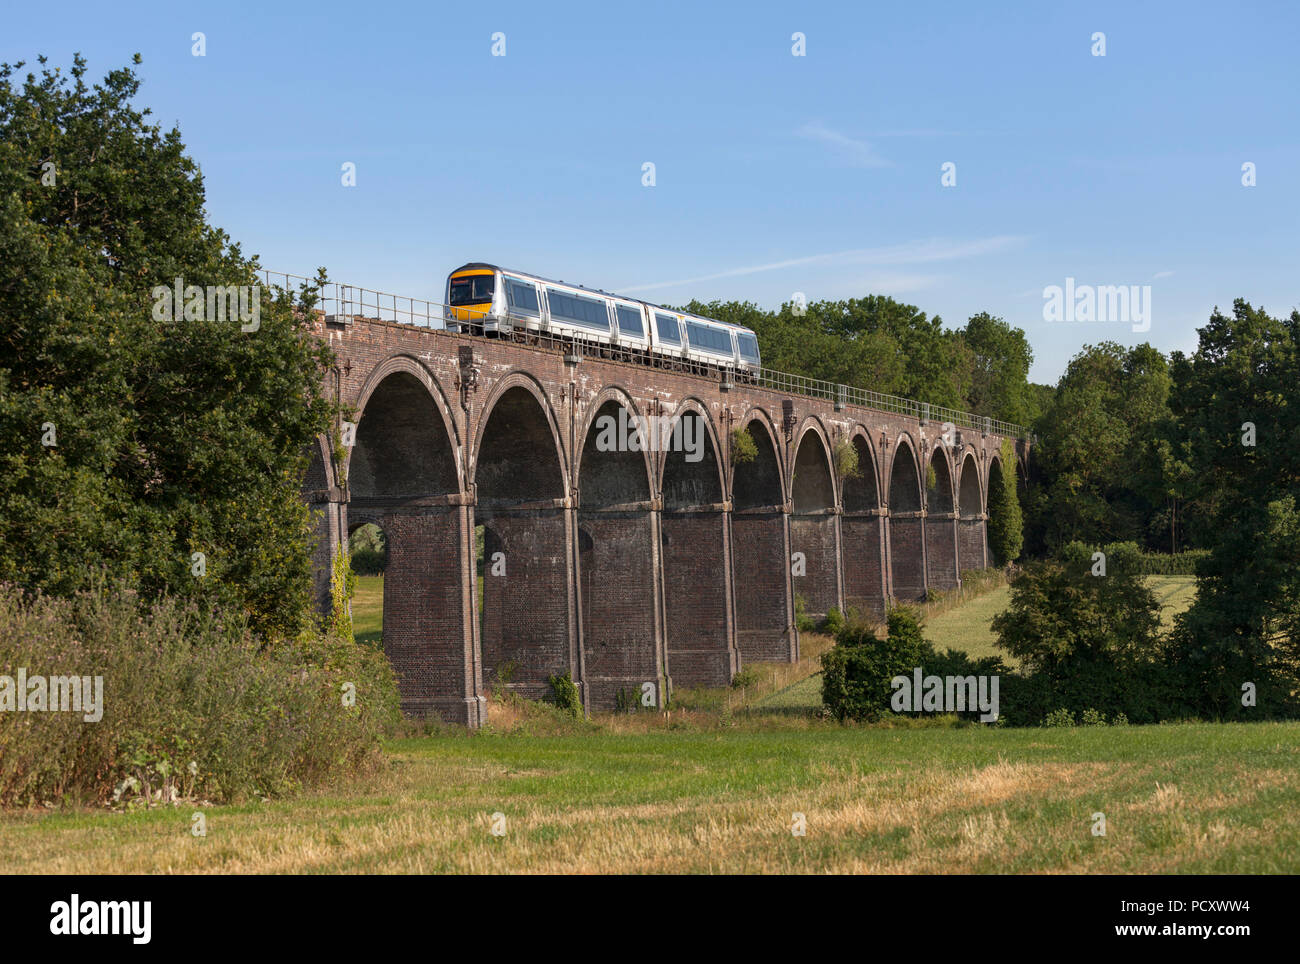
(344, 303)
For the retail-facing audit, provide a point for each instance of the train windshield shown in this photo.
(471, 290)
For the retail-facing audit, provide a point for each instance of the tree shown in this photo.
(1099, 456)
(177, 445)
(1069, 608)
(1001, 357)
(1236, 405)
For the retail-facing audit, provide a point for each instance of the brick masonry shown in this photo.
(622, 569)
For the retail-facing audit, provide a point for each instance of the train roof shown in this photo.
(599, 291)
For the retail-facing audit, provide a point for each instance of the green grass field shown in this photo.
(714, 784)
(1197, 798)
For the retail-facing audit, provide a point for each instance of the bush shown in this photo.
(745, 678)
(743, 447)
(194, 706)
(834, 623)
(565, 694)
(1061, 717)
(856, 674)
(369, 562)
(804, 622)
(1165, 564)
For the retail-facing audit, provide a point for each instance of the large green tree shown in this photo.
(1000, 360)
(170, 438)
(1102, 451)
(1238, 410)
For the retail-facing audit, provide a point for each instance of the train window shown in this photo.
(666, 326)
(471, 290)
(748, 346)
(629, 321)
(522, 297)
(708, 338)
(587, 312)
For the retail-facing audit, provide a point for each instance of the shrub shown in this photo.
(1092, 718)
(194, 705)
(1061, 717)
(565, 694)
(1166, 564)
(369, 562)
(846, 460)
(743, 446)
(804, 622)
(857, 671)
(834, 623)
(745, 678)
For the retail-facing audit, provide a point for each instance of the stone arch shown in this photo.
(699, 628)
(521, 494)
(760, 482)
(404, 476)
(940, 522)
(519, 456)
(760, 538)
(862, 531)
(970, 512)
(906, 524)
(685, 482)
(328, 518)
(814, 534)
(620, 632)
(401, 396)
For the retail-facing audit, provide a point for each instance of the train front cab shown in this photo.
(471, 295)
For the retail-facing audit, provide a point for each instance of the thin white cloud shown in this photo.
(912, 252)
(859, 153)
(1162, 274)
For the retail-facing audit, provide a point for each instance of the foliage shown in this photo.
(1104, 459)
(835, 622)
(846, 460)
(1005, 524)
(1087, 641)
(743, 446)
(193, 706)
(1244, 626)
(343, 585)
(856, 674)
(565, 695)
(173, 438)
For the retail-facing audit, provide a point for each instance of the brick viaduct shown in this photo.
(621, 567)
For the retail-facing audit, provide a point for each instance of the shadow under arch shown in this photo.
(814, 533)
(906, 525)
(621, 637)
(940, 523)
(862, 533)
(971, 553)
(760, 540)
(699, 627)
(403, 477)
(527, 619)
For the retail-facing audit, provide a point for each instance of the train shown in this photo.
(488, 299)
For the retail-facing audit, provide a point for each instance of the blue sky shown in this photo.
(774, 173)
